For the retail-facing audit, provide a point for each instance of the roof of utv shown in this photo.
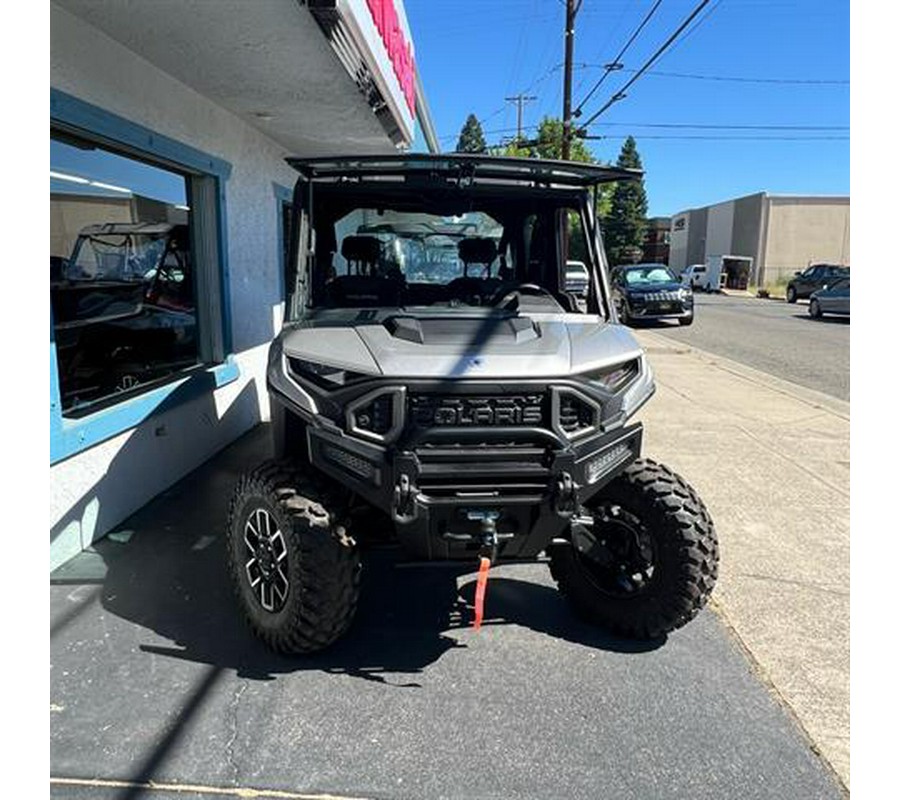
(461, 167)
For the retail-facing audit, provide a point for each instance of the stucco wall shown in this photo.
(719, 224)
(678, 241)
(805, 230)
(96, 489)
(746, 228)
(696, 252)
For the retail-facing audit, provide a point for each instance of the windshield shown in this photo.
(640, 276)
(411, 250)
(115, 256)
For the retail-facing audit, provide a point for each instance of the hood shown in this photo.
(476, 345)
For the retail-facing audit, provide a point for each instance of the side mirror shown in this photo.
(797, 274)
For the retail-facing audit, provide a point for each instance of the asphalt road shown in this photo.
(772, 336)
(155, 679)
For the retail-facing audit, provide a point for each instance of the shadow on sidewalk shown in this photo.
(170, 577)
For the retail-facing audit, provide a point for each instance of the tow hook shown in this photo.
(565, 500)
(404, 508)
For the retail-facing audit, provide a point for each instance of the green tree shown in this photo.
(624, 225)
(548, 144)
(471, 137)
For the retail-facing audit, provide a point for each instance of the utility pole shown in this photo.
(520, 100)
(572, 7)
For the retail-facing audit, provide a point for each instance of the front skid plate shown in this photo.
(439, 506)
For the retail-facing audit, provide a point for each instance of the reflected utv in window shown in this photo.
(123, 309)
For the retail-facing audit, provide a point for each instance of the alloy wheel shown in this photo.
(266, 560)
(626, 565)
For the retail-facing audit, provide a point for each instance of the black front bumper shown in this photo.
(673, 309)
(442, 487)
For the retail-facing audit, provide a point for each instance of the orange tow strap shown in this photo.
(480, 587)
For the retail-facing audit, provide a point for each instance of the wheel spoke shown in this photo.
(262, 522)
(265, 590)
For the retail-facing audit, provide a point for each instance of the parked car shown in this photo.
(833, 299)
(694, 276)
(651, 292)
(577, 280)
(814, 277)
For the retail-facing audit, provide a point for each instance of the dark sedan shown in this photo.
(651, 292)
(813, 278)
(833, 299)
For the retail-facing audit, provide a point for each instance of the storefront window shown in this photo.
(122, 287)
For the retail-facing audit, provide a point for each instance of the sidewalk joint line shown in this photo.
(184, 788)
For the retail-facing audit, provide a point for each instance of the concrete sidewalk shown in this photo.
(772, 462)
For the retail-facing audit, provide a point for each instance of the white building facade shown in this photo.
(170, 124)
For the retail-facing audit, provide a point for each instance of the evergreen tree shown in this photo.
(624, 226)
(471, 137)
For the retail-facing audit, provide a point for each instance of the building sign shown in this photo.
(399, 48)
(679, 224)
(373, 41)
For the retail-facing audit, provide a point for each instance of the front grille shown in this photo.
(662, 297)
(527, 410)
(483, 471)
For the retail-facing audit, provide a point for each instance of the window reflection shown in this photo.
(122, 286)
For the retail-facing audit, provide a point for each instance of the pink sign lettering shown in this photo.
(399, 51)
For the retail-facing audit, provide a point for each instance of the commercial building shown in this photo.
(656, 240)
(170, 122)
(773, 235)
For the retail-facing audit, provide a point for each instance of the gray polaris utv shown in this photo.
(435, 378)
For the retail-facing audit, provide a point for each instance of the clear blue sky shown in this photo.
(473, 53)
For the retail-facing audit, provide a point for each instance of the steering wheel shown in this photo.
(523, 288)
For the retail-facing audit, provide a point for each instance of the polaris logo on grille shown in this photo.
(524, 410)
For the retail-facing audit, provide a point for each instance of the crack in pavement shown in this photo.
(229, 745)
(795, 582)
(794, 462)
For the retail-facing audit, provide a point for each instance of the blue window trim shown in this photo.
(282, 195)
(71, 436)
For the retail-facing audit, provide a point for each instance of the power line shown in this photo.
(700, 21)
(729, 78)
(662, 49)
(738, 138)
(682, 125)
(520, 99)
(616, 63)
(708, 138)
(716, 126)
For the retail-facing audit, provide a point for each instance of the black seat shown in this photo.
(475, 250)
(362, 286)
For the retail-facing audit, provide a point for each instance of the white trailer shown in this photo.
(731, 272)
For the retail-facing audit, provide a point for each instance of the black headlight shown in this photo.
(377, 415)
(616, 377)
(323, 375)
